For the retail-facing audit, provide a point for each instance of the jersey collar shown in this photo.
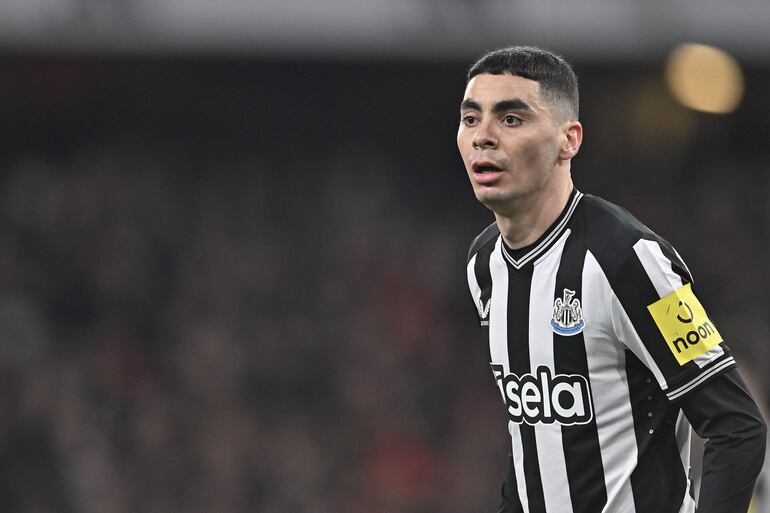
(521, 257)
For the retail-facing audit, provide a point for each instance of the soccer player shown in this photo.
(602, 352)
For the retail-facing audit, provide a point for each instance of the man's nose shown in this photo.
(484, 137)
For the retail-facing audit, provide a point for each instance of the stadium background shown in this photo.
(232, 240)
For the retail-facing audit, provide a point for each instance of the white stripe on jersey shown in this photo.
(628, 336)
(498, 315)
(473, 283)
(550, 447)
(609, 385)
(688, 506)
(709, 356)
(657, 267)
(498, 348)
(683, 436)
(675, 394)
(518, 464)
(665, 280)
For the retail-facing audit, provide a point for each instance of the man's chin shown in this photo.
(493, 199)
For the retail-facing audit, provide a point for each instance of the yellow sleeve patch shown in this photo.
(684, 324)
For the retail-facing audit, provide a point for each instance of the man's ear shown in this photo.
(573, 138)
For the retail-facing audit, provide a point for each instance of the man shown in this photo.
(602, 352)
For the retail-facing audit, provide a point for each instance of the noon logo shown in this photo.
(684, 324)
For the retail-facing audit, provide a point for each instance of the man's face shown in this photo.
(508, 139)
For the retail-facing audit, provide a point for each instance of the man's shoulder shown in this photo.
(606, 214)
(608, 229)
(485, 237)
(618, 240)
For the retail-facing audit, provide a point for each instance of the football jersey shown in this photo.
(594, 333)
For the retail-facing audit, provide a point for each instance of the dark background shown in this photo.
(238, 284)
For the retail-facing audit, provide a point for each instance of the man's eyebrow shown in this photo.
(501, 106)
(469, 104)
(512, 104)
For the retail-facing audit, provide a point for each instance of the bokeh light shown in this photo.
(705, 78)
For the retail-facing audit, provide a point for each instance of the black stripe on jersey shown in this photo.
(519, 286)
(635, 291)
(582, 453)
(509, 492)
(489, 233)
(656, 443)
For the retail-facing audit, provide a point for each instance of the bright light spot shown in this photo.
(704, 78)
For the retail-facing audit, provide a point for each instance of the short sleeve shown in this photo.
(659, 317)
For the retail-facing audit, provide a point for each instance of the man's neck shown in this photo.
(532, 216)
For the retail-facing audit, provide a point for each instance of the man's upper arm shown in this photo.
(659, 317)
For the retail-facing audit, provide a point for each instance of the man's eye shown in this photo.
(510, 119)
(470, 120)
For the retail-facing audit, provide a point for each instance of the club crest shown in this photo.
(567, 318)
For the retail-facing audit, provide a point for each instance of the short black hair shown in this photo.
(554, 74)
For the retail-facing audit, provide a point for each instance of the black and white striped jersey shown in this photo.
(594, 333)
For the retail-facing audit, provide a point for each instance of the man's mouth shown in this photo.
(485, 166)
(486, 172)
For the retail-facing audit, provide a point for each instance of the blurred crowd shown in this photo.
(251, 333)
(172, 343)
